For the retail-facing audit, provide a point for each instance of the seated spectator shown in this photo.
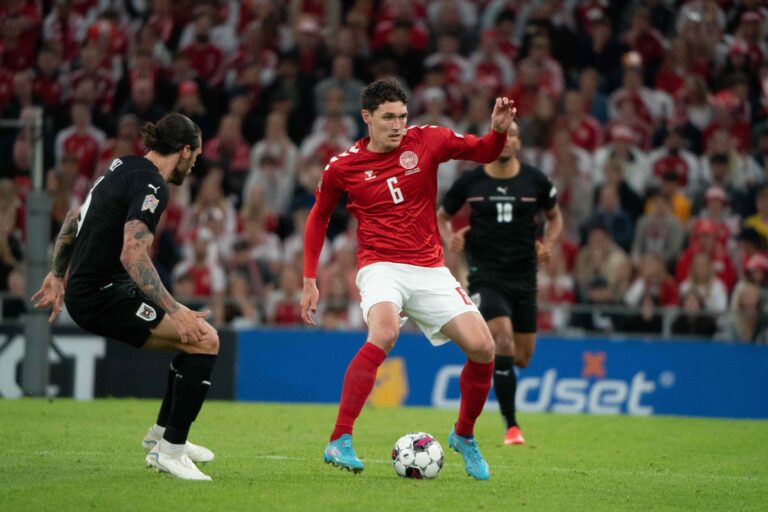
(674, 156)
(747, 322)
(759, 221)
(647, 320)
(717, 172)
(81, 139)
(585, 131)
(622, 148)
(230, 150)
(240, 310)
(339, 299)
(143, 101)
(601, 258)
(658, 232)
(654, 281)
(672, 191)
(609, 214)
(204, 268)
(556, 289)
(693, 319)
(710, 288)
(598, 293)
(295, 242)
(283, 305)
(716, 210)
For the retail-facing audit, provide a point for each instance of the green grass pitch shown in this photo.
(63, 455)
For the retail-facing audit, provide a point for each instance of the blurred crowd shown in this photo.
(648, 115)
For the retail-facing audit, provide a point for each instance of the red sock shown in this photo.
(358, 384)
(474, 383)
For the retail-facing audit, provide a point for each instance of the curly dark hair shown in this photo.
(382, 91)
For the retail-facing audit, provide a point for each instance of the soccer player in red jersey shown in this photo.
(390, 178)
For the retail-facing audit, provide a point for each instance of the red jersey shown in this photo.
(393, 195)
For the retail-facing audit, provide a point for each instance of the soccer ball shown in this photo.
(417, 455)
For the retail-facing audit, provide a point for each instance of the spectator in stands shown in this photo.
(203, 266)
(536, 129)
(210, 195)
(674, 156)
(647, 320)
(759, 221)
(693, 320)
(329, 142)
(229, 149)
(721, 170)
(596, 101)
(266, 249)
(143, 102)
(756, 271)
(282, 304)
(609, 214)
(47, 83)
(634, 162)
(10, 248)
(189, 102)
(339, 305)
(91, 58)
(704, 242)
(671, 189)
(555, 290)
(274, 163)
(747, 321)
(600, 52)
(716, 209)
(601, 258)
(14, 304)
(205, 57)
(240, 310)
(81, 139)
(309, 49)
(658, 232)
(654, 281)
(333, 106)
(586, 132)
(341, 78)
(704, 280)
(295, 242)
(549, 70)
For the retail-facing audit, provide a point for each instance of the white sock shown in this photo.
(170, 448)
(157, 429)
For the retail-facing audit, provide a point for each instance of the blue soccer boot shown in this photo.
(474, 462)
(340, 453)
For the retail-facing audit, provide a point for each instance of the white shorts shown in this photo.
(431, 297)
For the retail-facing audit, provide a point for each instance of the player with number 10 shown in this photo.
(390, 178)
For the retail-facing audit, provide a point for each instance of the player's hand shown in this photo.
(457, 240)
(309, 297)
(51, 293)
(543, 253)
(503, 114)
(190, 324)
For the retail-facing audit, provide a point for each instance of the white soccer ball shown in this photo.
(417, 455)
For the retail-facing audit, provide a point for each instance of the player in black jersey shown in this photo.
(113, 289)
(505, 197)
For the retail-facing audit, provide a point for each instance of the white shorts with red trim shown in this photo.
(431, 297)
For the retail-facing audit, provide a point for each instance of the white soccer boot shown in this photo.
(195, 452)
(173, 459)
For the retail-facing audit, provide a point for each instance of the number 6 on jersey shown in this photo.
(397, 194)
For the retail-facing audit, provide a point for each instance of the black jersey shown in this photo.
(132, 188)
(501, 240)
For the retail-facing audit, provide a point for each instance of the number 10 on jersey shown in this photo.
(504, 212)
(397, 194)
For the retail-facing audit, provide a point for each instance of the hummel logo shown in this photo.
(503, 190)
(153, 187)
(369, 175)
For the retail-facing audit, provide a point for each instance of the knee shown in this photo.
(384, 337)
(210, 344)
(522, 360)
(483, 351)
(504, 343)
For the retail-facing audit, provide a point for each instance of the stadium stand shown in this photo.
(649, 116)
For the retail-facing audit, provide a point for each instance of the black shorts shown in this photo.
(117, 310)
(519, 304)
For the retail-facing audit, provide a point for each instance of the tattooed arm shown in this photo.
(51, 293)
(65, 241)
(137, 239)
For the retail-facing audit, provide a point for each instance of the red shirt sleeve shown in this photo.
(327, 194)
(449, 145)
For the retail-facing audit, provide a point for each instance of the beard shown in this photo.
(505, 159)
(180, 171)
